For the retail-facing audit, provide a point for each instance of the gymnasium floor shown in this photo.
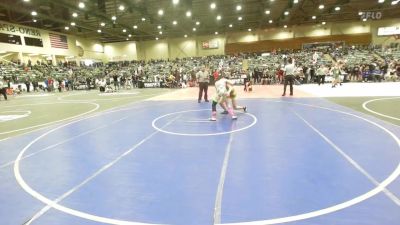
(150, 156)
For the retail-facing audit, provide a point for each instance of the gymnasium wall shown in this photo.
(259, 40)
(179, 47)
(89, 49)
(120, 51)
(293, 37)
(384, 40)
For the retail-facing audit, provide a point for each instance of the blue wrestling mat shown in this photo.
(288, 161)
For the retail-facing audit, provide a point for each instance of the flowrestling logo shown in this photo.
(370, 15)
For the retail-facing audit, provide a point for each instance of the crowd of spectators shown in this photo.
(357, 64)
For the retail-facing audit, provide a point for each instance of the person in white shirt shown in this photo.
(220, 97)
(289, 71)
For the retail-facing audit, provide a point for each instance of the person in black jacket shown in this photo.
(3, 89)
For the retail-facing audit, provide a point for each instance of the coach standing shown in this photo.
(289, 76)
(203, 78)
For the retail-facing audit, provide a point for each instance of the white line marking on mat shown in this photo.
(62, 142)
(220, 190)
(364, 105)
(395, 174)
(389, 194)
(200, 134)
(97, 106)
(54, 203)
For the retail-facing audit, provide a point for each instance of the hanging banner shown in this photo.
(213, 44)
(387, 31)
(8, 28)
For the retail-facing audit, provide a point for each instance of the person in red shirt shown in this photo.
(216, 75)
(279, 74)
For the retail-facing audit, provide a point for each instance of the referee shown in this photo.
(203, 79)
(289, 76)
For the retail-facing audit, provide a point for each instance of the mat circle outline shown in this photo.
(153, 123)
(298, 217)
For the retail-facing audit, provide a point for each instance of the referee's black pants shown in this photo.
(3, 91)
(203, 87)
(321, 79)
(288, 79)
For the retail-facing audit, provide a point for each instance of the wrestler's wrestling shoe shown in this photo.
(234, 117)
(224, 112)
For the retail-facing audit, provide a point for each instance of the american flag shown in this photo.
(58, 41)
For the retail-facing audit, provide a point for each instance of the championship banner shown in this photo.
(210, 44)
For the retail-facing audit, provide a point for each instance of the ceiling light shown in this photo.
(230, 25)
(323, 23)
(121, 7)
(113, 17)
(102, 24)
(321, 6)
(240, 18)
(160, 12)
(271, 0)
(360, 13)
(395, 2)
(238, 7)
(27, 0)
(314, 17)
(130, 35)
(34, 20)
(127, 39)
(174, 22)
(381, 1)
(365, 19)
(213, 5)
(81, 5)
(249, 29)
(175, 2)
(185, 36)
(267, 12)
(219, 17)
(197, 23)
(134, 26)
(295, 1)
(156, 38)
(124, 30)
(143, 19)
(188, 14)
(194, 29)
(285, 26)
(270, 21)
(159, 27)
(216, 32)
(160, 32)
(66, 28)
(34, 13)
(73, 24)
(337, 8)
(98, 31)
(286, 13)
(74, 14)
